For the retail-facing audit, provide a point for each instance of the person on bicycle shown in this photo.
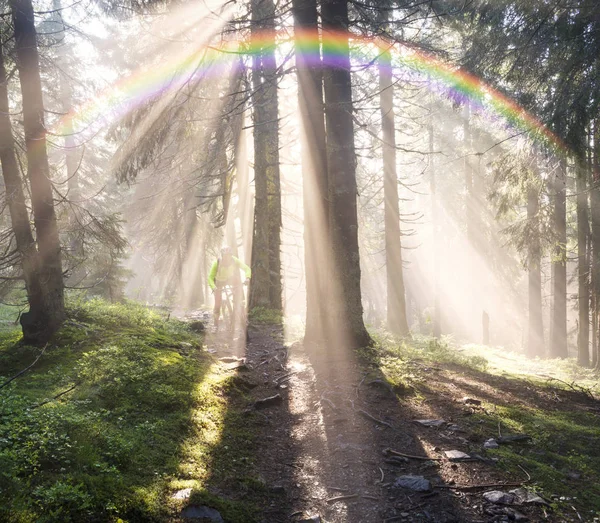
(226, 271)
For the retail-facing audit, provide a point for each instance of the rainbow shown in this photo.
(148, 83)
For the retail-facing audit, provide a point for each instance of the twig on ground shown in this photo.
(527, 473)
(474, 487)
(283, 378)
(382, 475)
(410, 456)
(25, 369)
(329, 402)
(573, 387)
(365, 414)
(55, 397)
(367, 496)
(358, 386)
(338, 489)
(342, 498)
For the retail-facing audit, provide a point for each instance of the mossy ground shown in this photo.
(147, 413)
(554, 402)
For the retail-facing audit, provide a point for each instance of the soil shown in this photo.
(323, 450)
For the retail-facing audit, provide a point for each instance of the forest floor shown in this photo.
(131, 417)
(338, 432)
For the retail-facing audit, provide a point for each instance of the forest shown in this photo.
(299, 261)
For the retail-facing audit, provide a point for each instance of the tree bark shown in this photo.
(45, 318)
(15, 196)
(595, 212)
(346, 306)
(558, 336)
(266, 287)
(71, 158)
(396, 300)
(437, 311)
(583, 335)
(314, 166)
(535, 338)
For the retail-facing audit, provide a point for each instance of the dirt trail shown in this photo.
(327, 438)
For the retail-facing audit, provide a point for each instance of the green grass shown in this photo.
(261, 315)
(559, 414)
(401, 361)
(148, 414)
(564, 442)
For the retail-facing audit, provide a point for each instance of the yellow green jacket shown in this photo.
(219, 274)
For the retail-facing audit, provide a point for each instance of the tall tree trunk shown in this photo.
(71, 159)
(558, 336)
(347, 310)
(595, 212)
(535, 338)
(314, 166)
(266, 287)
(437, 311)
(44, 318)
(583, 335)
(15, 197)
(396, 300)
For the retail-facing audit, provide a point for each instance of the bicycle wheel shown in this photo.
(227, 313)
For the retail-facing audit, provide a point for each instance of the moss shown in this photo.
(146, 409)
(261, 315)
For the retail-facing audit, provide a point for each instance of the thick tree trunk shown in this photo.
(583, 335)
(346, 306)
(314, 166)
(535, 338)
(15, 197)
(558, 335)
(45, 318)
(396, 300)
(266, 288)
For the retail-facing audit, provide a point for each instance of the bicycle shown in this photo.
(233, 314)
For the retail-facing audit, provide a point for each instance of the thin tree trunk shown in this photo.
(43, 320)
(71, 158)
(558, 331)
(583, 335)
(266, 287)
(314, 166)
(535, 338)
(341, 161)
(437, 312)
(396, 300)
(595, 212)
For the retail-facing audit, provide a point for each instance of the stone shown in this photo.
(268, 402)
(431, 422)
(515, 438)
(499, 498)
(526, 497)
(202, 513)
(411, 482)
(182, 494)
(491, 444)
(471, 401)
(197, 326)
(456, 455)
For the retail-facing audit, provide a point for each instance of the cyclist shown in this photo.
(226, 271)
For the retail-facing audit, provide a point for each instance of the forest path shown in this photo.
(325, 434)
